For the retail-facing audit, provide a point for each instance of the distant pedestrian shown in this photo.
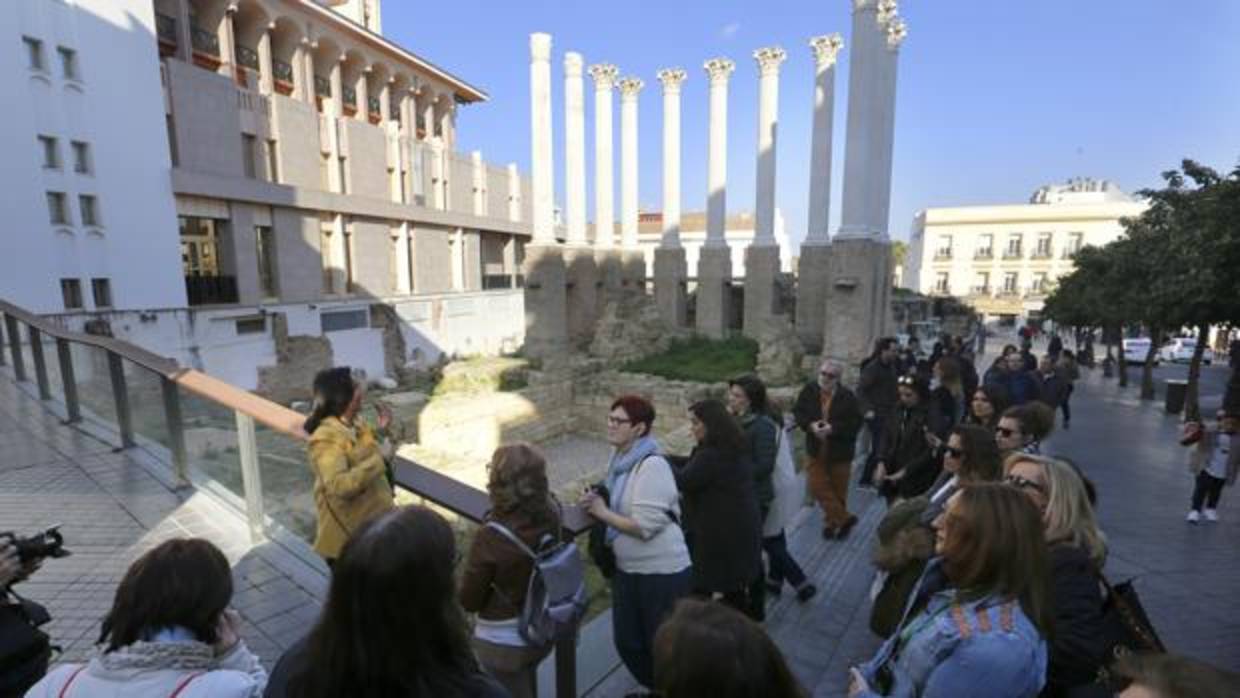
(1070, 373)
(1051, 385)
(830, 416)
(876, 390)
(987, 406)
(1055, 347)
(1022, 428)
(949, 401)
(1214, 459)
(1020, 384)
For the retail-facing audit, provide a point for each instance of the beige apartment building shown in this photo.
(313, 159)
(1004, 259)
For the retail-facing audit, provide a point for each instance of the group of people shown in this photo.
(989, 559)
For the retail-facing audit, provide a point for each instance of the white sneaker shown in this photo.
(1211, 515)
(1192, 517)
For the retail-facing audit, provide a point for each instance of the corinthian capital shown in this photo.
(896, 31)
(671, 79)
(630, 86)
(719, 69)
(769, 59)
(604, 75)
(826, 49)
(540, 46)
(862, 5)
(887, 11)
(573, 64)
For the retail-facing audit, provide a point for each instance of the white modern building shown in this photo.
(1003, 259)
(218, 180)
(738, 233)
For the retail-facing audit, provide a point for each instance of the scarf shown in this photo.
(619, 468)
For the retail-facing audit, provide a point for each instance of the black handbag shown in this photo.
(601, 553)
(1126, 627)
(25, 651)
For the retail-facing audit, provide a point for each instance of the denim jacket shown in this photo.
(986, 648)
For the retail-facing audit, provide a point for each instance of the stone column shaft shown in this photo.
(228, 41)
(428, 111)
(541, 159)
(719, 70)
(307, 72)
(769, 60)
(337, 89)
(629, 88)
(826, 49)
(385, 104)
(604, 214)
(574, 150)
(265, 78)
(671, 79)
(362, 87)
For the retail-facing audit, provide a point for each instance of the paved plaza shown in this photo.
(115, 505)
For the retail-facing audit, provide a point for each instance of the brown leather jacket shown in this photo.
(497, 573)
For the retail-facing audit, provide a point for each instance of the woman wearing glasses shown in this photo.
(1077, 550)
(906, 466)
(905, 535)
(979, 613)
(643, 529)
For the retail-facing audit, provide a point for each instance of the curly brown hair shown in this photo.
(518, 483)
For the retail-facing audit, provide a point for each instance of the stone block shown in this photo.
(857, 298)
(761, 274)
(812, 272)
(714, 291)
(670, 278)
(779, 353)
(546, 302)
(610, 265)
(633, 271)
(581, 294)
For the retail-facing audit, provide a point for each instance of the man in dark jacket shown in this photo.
(1051, 386)
(1021, 385)
(831, 416)
(877, 392)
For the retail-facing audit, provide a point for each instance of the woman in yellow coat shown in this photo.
(348, 460)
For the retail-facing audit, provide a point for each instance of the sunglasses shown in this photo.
(616, 421)
(1024, 483)
(1005, 432)
(906, 380)
(953, 451)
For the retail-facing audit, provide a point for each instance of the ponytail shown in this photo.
(333, 391)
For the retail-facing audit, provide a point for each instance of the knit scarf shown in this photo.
(619, 468)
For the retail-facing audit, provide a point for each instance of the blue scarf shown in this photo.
(618, 469)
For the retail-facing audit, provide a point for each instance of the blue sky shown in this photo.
(995, 97)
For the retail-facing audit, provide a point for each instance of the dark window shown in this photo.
(101, 289)
(68, 63)
(57, 209)
(89, 206)
(266, 240)
(340, 320)
(71, 292)
(34, 53)
(248, 154)
(252, 325)
(51, 153)
(81, 157)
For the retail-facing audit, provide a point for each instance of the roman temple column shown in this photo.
(669, 258)
(606, 255)
(762, 255)
(578, 255)
(714, 270)
(634, 277)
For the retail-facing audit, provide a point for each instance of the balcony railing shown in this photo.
(247, 57)
(281, 70)
(394, 112)
(373, 105)
(1008, 293)
(984, 254)
(1041, 253)
(348, 97)
(1012, 253)
(205, 41)
(980, 291)
(322, 86)
(211, 290)
(166, 29)
(941, 255)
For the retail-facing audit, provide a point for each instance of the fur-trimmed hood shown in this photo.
(902, 538)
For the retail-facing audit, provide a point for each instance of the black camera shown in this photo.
(49, 543)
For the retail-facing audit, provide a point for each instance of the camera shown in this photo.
(45, 544)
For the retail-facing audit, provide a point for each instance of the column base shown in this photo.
(582, 294)
(670, 278)
(633, 271)
(610, 265)
(714, 291)
(858, 298)
(546, 302)
(761, 269)
(812, 272)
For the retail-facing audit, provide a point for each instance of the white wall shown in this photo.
(117, 108)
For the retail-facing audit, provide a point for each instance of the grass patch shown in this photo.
(700, 360)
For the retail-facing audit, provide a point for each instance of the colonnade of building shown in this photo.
(844, 281)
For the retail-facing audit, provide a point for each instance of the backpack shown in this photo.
(555, 598)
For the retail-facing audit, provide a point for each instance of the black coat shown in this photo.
(1076, 648)
(722, 521)
(845, 419)
(877, 387)
(905, 449)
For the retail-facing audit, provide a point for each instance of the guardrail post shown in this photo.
(124, 419)
(15, 345)
(65, 353)
(566, 667)
(176, 428)
(251, 477)
(40, 363)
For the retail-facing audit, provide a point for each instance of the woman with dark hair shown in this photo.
(907, 466)
(643, 530)
(906, 535)
(948, 403)
(391, 626)
(988, 403)
(348, 460)
(722, 520)
(691, 643)
(169, 633)
(764, 430)
(980, 612)
(497, 572)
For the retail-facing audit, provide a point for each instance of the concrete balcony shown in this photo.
(984, 254)
(1013, 254)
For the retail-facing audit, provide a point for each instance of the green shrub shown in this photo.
(700, 360)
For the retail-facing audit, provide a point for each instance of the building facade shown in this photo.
(1004, 259)
(248, 159)
(738, 231)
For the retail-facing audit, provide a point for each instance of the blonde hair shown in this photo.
(1069, 517)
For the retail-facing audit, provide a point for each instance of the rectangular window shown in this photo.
(34, 54)
(256, 324)
(1044, 246)
(57, 208)
(343, 320)
(101, 289)
(266, 241)
(941, 283)
(1010, 281)
(90, 209)
(81, 157)
(248, 154)
(71, 293)
(981, 283)
(68, 63)
(944, 250)
(325, 251)
(1013, 247)
(985, 247)
(1074, 244)
(273, 166)
(1039, 283)
(51, 152)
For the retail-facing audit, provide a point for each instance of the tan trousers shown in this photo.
(829, 486)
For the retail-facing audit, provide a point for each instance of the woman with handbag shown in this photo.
(1077, 550)
(348, 459)
(497, 573)
(979, 614)
(907, 465)
(764, 431)
(653, 570)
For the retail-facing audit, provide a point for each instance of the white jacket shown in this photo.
(156, 670)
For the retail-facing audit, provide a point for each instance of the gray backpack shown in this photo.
(555, 598)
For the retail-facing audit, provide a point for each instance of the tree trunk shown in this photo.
(1147, 369)
(1192, 410)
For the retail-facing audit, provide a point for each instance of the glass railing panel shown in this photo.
(211, 443)
(146, 404)
(94, 384)
(288, 482)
